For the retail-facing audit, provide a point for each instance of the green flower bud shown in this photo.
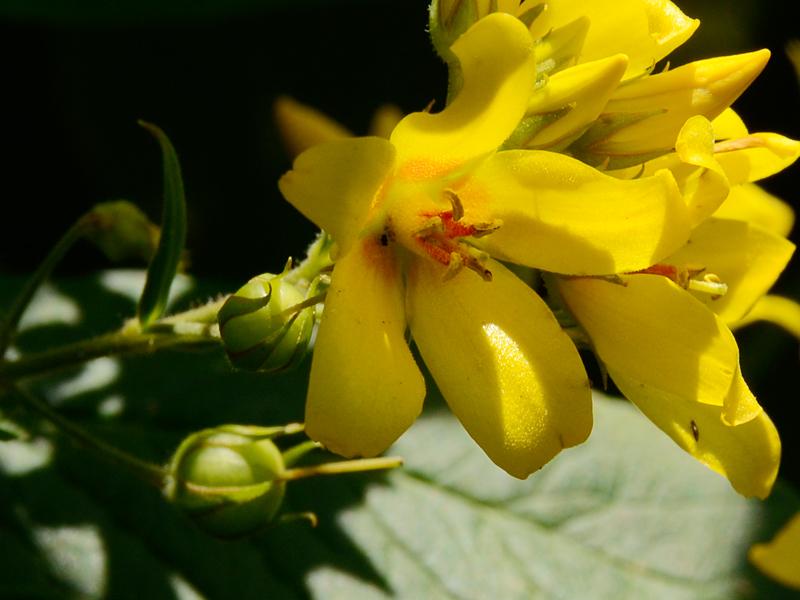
(123, 231)
(260, 330)
(228, 480)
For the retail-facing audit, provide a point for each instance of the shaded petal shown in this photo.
(302, 127)
(645, 30)
(780, 558)
(365, 389)
(745, 257)
(663, 340)
(778, 310)
(751, 203)
(385, 120)
(496, 57)
(561, 215)
(747, 454)
(334, 184)
(756, 156)
(502, 362)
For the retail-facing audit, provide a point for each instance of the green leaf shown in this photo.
(626, 515)
(165, 261)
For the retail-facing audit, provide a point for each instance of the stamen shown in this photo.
(749, 141)
(455, 203)
(441, 237)
(686, 277)
(710, 284)
(454, 267)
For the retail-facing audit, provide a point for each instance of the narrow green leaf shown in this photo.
(173, 235)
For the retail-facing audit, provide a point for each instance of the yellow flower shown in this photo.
(663, 333)
(780, 558)
(410, 213)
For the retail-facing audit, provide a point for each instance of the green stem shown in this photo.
(149, 472)
(110, 344)
(344, 466)
(9, 326)
(317, 258)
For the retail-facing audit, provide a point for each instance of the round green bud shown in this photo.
(228, 483)
(259, 329)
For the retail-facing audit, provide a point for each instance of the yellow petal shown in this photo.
(655, 333)
(645, 30)
(560, 47)
(705, 87)
(746, 258)
(781, 311)
(729, 125)
(751, 203)
(699, 176)
(333, 184)
(780, 558)
(496, 57)
(756, 156)
(747, 454)
(502, 362)
(561, 215)
(705, 185)
(582, 90)
(385, 120)
(302, 127)
(365, 389)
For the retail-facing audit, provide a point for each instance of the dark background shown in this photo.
(75, 80)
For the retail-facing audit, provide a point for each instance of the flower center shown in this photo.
(441, 234)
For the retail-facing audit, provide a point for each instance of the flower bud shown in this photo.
(227, 480)
(122, 231)
(260, 329)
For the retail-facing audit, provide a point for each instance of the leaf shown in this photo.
(626, 515)
(165, 261)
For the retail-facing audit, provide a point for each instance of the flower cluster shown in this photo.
(629, 194)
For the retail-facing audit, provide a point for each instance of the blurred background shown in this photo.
(77, 76)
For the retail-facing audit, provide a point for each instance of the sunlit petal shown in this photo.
(729, 125)
(756, 156)
(652, 28)
(747, 454)
(503, 364)
(561, 215)
(666, 100)
(334, 184)
(496, 57)
(581, 91)
(365, 388)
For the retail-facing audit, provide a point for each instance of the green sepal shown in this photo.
(601, 129)
(167, 257)
(530, 126)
